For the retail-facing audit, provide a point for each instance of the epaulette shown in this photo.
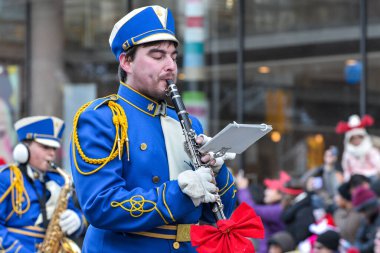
(119, 119)
(16, 190)
(104, 100)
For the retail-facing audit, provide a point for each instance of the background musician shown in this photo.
(29, 190)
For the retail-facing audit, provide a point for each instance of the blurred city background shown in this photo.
(298, 65)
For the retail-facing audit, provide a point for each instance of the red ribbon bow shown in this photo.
(230, 235)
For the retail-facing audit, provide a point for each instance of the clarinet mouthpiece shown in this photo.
(169, 82)
(168, 88)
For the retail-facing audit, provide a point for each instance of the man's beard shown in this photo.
(361, 149)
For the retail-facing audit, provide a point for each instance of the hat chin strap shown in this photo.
(21, 153)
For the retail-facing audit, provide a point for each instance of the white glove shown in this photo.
(219, 161)
(198, 185)
(69, 221)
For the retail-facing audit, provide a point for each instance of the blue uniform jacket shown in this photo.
(139, 194)
(20, 233)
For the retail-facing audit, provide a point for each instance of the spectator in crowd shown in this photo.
(377, 241)
(346, 218)
(324, 180)
(327, 242)
(281, 242)
(357, 181)
(359, 156)
(324, 221)
(7, 136)
(365, 201)
(270, 211)
(375, 187)
(298, 210)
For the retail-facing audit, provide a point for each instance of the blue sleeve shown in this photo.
(108, 200)
(227, 190)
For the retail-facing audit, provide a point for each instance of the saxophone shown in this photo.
(55, 240)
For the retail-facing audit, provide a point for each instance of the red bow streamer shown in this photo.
(230, 235)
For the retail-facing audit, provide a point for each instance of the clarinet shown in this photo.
(191, 145)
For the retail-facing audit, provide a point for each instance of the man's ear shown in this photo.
(125, 63)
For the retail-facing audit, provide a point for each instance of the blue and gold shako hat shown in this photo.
(142, 25)
(42, 129)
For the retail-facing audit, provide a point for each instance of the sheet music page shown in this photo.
(236, 138)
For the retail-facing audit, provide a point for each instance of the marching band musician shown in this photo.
(29, 191)
(134, 180)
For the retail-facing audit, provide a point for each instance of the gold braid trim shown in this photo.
(226, 190)
(120, 122)
(166, 205)
(138, 205)
(226, 185)
(17, 190)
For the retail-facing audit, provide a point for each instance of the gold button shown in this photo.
(36, 175)
(176, 245)
(143, 146)
(156, 179)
